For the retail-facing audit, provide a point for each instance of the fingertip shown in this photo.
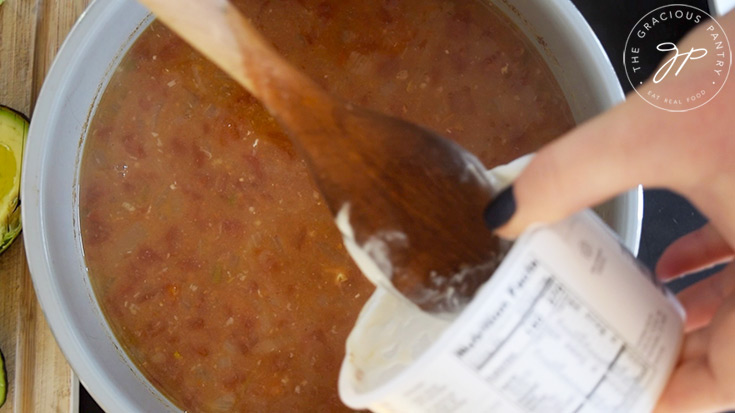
(501, 209)
(666, 270)
(672, 262)
(700, 249)
(589, 165)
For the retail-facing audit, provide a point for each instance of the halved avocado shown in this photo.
(3, 380)
(13, 134)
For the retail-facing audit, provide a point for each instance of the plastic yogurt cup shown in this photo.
(569, 322)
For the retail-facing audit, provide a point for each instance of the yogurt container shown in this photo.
(569, 322)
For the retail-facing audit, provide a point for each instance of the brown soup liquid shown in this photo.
(213, 257)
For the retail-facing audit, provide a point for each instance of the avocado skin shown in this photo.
(10, 221)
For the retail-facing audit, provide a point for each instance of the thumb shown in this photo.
(590, 164)
(634, 143)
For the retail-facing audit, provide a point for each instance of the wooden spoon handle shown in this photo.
(222, 34)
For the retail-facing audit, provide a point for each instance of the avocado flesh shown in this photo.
(13, 133)
(3, 380)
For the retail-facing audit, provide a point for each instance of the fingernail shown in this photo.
(501, 209)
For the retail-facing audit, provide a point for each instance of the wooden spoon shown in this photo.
(415, 197)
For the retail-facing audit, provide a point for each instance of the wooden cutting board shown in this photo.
(40, 380)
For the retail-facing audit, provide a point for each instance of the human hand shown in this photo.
(692, 153)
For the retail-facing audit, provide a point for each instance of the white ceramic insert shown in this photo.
(51, 166)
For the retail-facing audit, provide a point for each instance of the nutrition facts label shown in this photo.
(569, 323)
(543, 350)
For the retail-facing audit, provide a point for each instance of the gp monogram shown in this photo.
(649, 45)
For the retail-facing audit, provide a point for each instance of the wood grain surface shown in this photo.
(40, 380)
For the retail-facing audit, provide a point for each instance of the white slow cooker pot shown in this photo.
(51, 168)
